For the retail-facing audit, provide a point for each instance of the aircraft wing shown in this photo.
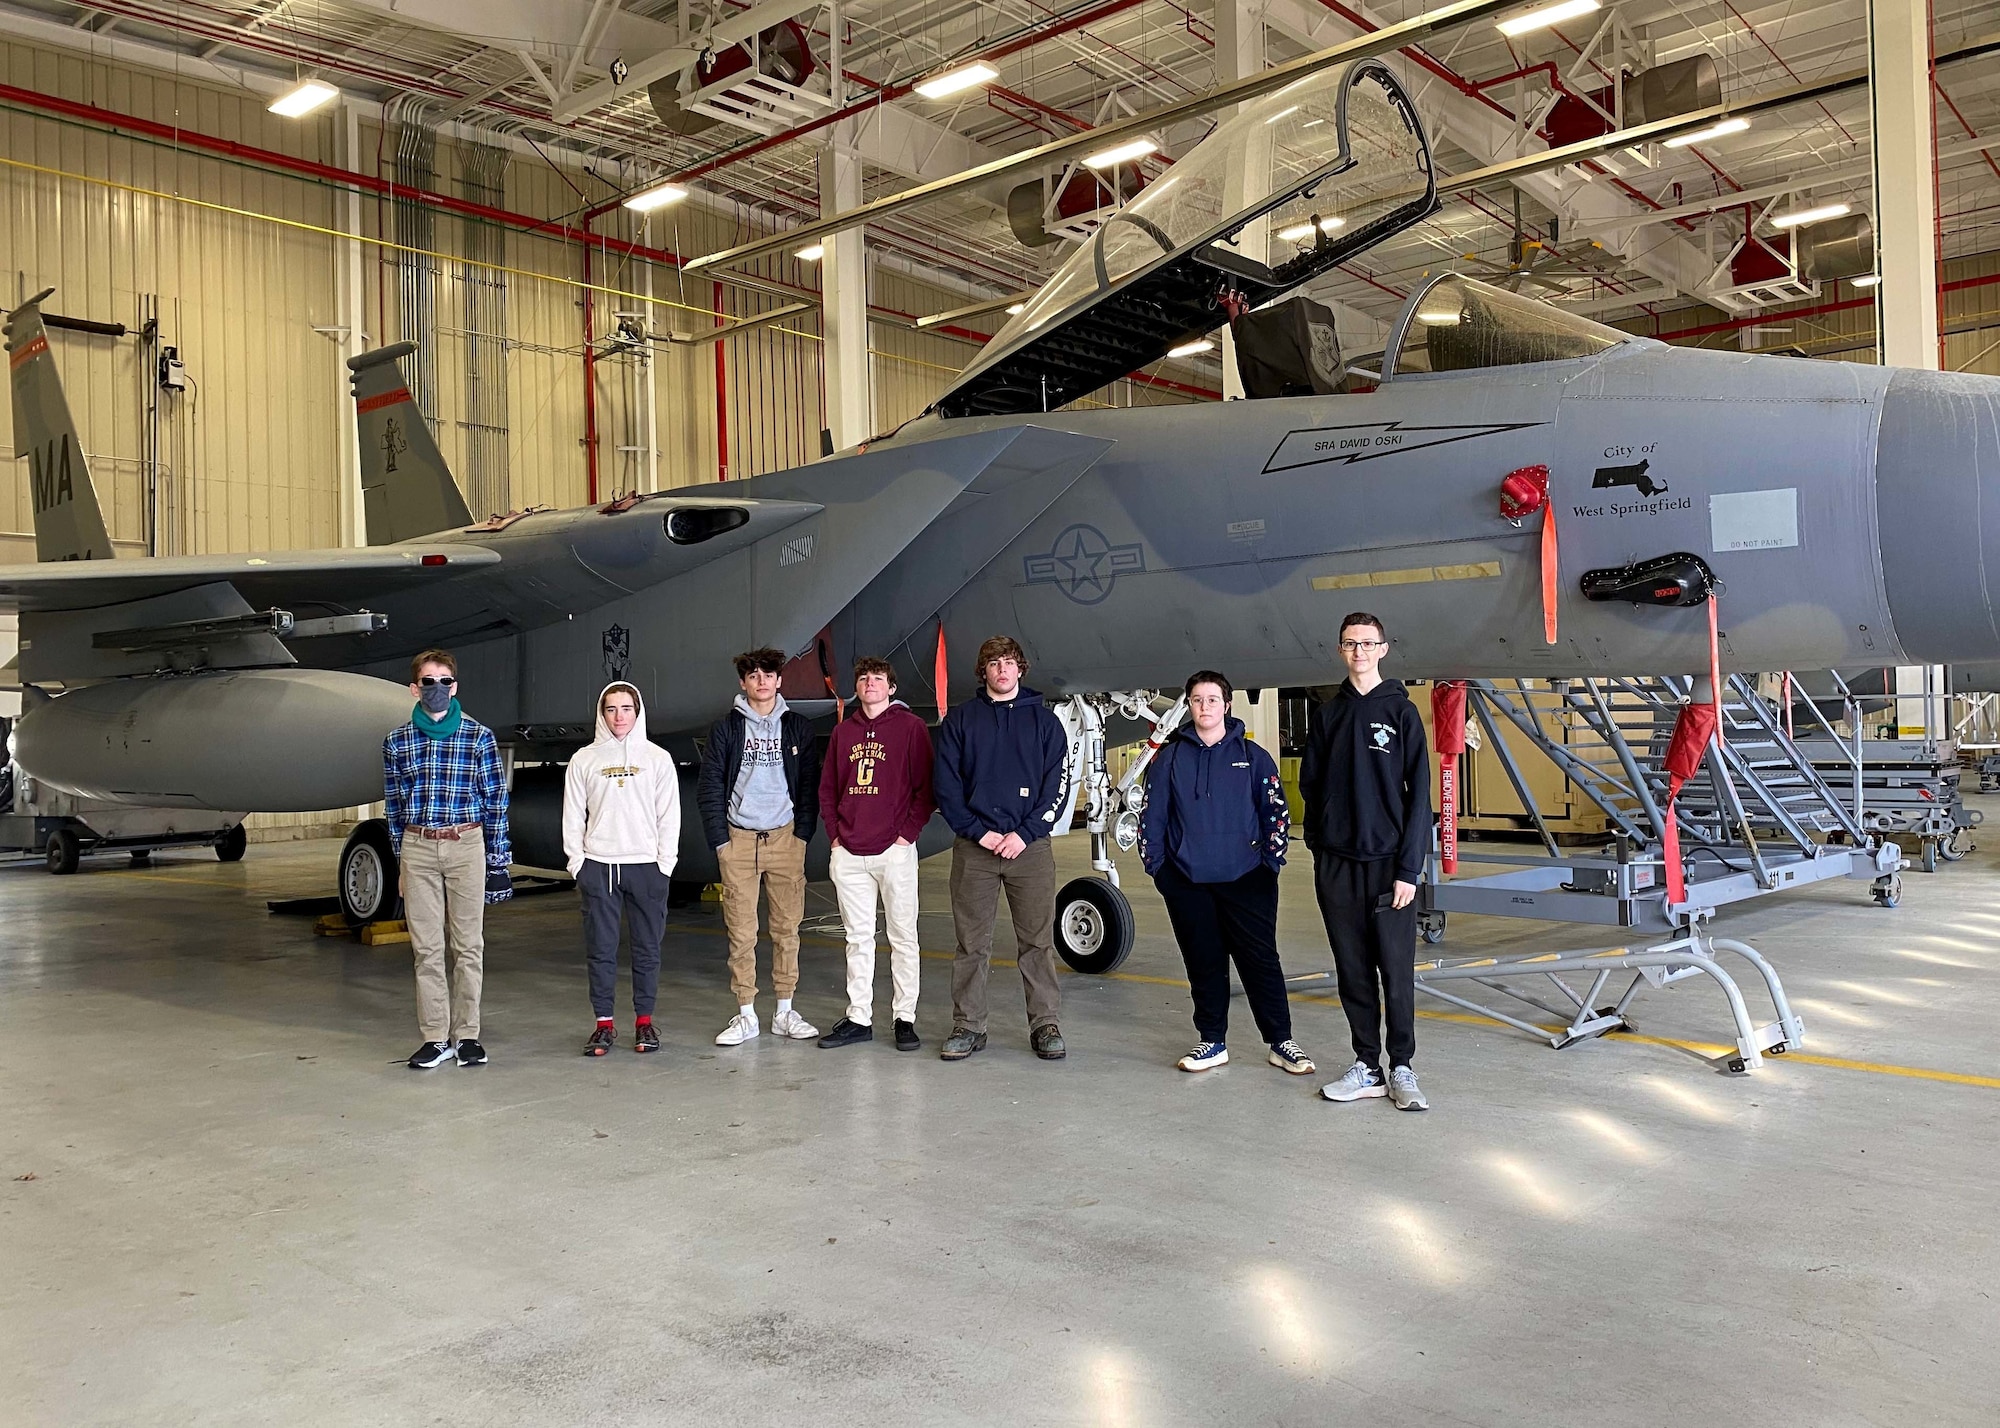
(286, 577)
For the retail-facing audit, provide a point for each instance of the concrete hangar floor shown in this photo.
(223, 1200)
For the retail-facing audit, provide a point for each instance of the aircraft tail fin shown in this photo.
(406, 489)
(69, 525)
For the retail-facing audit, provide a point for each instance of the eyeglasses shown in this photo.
(433, 681)
(1351, 646)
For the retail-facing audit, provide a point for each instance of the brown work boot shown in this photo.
(1048, 1042)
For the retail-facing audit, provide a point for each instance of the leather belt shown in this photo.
(445, 835)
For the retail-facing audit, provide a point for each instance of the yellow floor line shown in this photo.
(1702, 1048)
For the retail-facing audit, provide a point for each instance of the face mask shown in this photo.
(436, 698)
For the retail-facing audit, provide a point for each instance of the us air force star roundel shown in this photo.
(1083, 564)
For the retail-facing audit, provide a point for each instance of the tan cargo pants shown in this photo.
(776, 862)
(444, 906)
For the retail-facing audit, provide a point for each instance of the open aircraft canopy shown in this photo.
(1293, 184)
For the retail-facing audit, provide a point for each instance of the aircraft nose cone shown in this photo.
(1937, 501)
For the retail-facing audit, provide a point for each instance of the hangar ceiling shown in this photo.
(1644, 230)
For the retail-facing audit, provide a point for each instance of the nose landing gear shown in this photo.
(1094, 924)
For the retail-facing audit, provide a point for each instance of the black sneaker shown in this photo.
(601, 1040)
(907, 1038)
(1048, 1043)
(961, 1044)
(431, 1053)
(644, 1038)
(471, 1053)
(846, 1033)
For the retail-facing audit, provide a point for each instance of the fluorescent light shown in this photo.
(1302, 231)
(1191, 349)
(658, 196)
(1282, 114)
(1547, 15)
(1801, 216)
(1866, 280)
(811, 253)
(1121, 153)
(1016, 309)
(965, 77)
(1713, 131)
(310, 94)
(1444, 317)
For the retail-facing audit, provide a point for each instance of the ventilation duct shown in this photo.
(1837, 248)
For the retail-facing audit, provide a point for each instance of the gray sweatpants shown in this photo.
(639, 892)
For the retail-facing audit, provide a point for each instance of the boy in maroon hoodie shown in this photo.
(875, 795)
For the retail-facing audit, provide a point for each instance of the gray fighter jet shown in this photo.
(1835, 509)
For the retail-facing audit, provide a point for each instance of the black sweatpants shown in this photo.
(1371, 942)
(639, 891)
(1220, 923)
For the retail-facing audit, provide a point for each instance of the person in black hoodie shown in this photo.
(1212, 835)
(1001, 783)
(1366, 783)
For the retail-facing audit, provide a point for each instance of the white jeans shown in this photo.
(892, 873)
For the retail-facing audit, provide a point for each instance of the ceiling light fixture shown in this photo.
(1121, 154)
(1298, 233)
(1015, 309)
(1545, 16)
(1191, 349)
(658, 196)
(1713, 131)
(1866, 280)
(301, 101)
(811, 253)
(1799, 217)
(1283, 114)
(951, 82)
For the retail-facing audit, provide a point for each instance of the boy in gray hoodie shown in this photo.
(621, 838)
(759, 798)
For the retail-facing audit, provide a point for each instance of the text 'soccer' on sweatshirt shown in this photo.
(1215, 811)
(1002, 767)
(1365, 779)
(622, 800)
(875, 785)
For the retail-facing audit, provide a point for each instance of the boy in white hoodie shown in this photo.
(621, 837)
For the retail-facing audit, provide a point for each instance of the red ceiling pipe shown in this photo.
(589, 386)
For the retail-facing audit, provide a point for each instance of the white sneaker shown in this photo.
(741, 1028)
(789, 1023)
(1362, 1082)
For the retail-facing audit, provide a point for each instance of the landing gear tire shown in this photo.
(142, 857)
(1094, 926)
(63, 851)
(1887, 891)
(366, 875)
(1431, 925)
(229, 847)
(1955, 847)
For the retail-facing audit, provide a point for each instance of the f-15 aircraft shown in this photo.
(1837, 509)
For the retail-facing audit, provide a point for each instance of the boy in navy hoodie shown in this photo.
(1366, 783)
(1212, 834)
(1000, 782)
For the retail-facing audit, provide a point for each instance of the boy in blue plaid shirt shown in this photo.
(447, 806)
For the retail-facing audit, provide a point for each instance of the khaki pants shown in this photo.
(776, 862)
(1030, 880)
(893, 874)
(444, 903)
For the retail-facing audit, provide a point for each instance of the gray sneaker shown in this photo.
(1403, 1090)
(1361, 1082)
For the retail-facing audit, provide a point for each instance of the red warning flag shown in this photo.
(1693, 728)
(938, 669)
(1524, 491)
(1448, 720)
